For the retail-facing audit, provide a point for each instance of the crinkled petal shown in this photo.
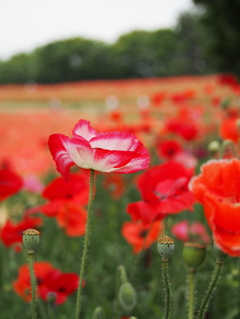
(84, 130)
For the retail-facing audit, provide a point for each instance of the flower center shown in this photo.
(233, 199)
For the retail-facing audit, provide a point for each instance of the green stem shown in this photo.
(191, 294)
(86, 242)
(210, 290)
(33, 286)
(50, 310)
(139, 255)
(165, 278)
(41, 309)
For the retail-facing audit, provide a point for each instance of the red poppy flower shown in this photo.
(10, 183)
(218, 189)
(141, 236)
(158, 98)
(164, 189)
(22, 284)
(61, 284)
(49, 280)
(117, 152)
(229, 129)
(11, 233)
(66, 203)
(194, 232)
(169, 148)
(114, 183)
(76, 189)
(227, 79)
(72, 219)
(183, 127)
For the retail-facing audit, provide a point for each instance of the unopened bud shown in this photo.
(99, 313)
(30, 239)
(194, 255)
(127, 296)
(165, 247)
(214, 146)
(51, 297)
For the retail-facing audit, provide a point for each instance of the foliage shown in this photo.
(165, 52)
(223, 26)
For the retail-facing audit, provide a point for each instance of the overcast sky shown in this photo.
(26, 24)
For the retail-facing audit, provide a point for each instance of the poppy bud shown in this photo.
(127, 296)
(165, 247)
(194, 255)
(220, 255)
(99, 313)
(214, 147)
(51, 297)
(30, 239)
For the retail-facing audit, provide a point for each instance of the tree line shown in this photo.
(184, 49)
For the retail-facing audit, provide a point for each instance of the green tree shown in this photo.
(221, 18)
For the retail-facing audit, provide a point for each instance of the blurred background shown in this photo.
(58, 41)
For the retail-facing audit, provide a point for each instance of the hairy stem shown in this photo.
(210, 290)
(165, 278)
(85, 246)
(33, 285)
(191, 294)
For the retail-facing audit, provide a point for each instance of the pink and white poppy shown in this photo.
(117, 152)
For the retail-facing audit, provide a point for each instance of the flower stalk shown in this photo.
(165, 248)
(30, 241)
(209, 292)
(86, 242)
(33, 284)
(166, 282)
(191, 284)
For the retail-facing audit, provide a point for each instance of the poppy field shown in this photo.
(126, 197)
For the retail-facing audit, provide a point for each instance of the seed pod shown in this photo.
(30, 239)
(194, 255)
(127, 296)
(165, 247)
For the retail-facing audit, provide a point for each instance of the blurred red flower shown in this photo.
(158, 98)
(164, 189)
(194, 232)
(167, 149)
(218, 188)
(141, 236)
(229, 129)
(10, 183)
(114, 183)
(11, 233)
(183, 127)
(22, 284)
(227, 79)
(49, 280)
(67, 200)
(61, 284)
